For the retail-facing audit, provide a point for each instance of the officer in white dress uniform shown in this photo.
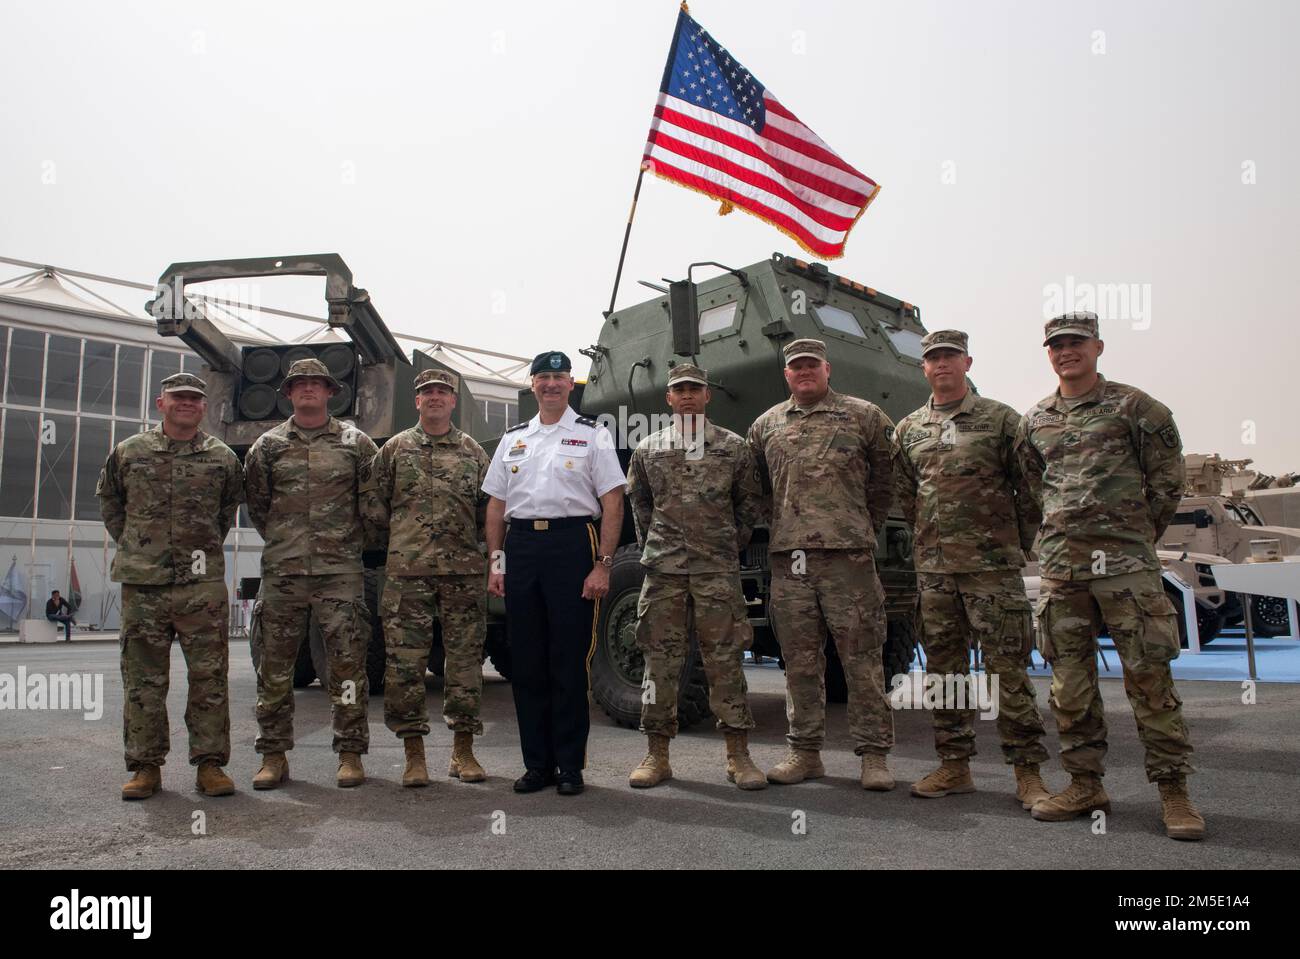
(552, 479)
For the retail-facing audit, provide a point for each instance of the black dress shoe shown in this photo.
(569, 783)
(535, 779)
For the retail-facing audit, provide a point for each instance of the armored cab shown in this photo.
(735, 325)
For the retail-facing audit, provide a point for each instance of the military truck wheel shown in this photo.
(373, 580)
(304, 670)
(497, 648)
(1209, 622)
(617, 667)
(319, 660)
(900, 648)
(837, 687)
(1268, 616)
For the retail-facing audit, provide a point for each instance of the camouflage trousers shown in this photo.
(196, 614)
(835, 591)
(989, 608)
(285, 607)
(408, 636)
(1134, 610)
(670, 607)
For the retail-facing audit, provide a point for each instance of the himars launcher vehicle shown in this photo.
(734, 325)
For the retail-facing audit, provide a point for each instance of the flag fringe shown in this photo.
(728, 206)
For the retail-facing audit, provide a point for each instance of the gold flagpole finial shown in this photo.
(685, 8)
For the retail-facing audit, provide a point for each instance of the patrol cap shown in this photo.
(1071, 324)
(311, 366)
(445, 377)
(944, 340)
(552, 361)
(808, 347)
(184, 383)
(688, 373)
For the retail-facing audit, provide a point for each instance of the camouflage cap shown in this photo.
(444, 377)
(1071, 324)
(311, 366)
(688, 373)
(797, 348)
(184, 383)
(944, 340)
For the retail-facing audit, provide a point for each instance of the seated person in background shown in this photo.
(57, 610)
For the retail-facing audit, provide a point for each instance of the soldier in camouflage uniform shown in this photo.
(695, 497)
(826, 459)
(1106, 461)
(427, 484)
(303, 481)
(168, 497)
(958, 481)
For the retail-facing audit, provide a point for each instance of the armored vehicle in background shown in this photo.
(244, 400)
(735, 326)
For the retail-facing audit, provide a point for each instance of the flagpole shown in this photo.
(627, 234)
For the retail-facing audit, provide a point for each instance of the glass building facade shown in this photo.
(73, 383)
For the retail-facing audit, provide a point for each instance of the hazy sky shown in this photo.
(473, 163)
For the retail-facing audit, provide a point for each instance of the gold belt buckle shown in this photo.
(541, 524)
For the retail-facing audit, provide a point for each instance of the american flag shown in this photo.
(719, 131)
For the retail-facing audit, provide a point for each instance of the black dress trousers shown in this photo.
(552, 636)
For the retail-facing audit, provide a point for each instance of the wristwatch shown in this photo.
(606, 561)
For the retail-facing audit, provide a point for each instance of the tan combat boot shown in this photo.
(875, 773)
(463, 764)
(350, 771)
(1030, 786)
(1180, 817)
(274, 771)
(213, 781)
(740, 768)
(1082, 796)
(951, 778)
(417, 771)
(146, 781)
(654, 769)
(798, 765)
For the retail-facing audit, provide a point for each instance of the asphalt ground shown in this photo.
(60, 805)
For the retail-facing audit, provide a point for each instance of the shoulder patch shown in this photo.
(1169, 435)
(587, 421)
(517, 426)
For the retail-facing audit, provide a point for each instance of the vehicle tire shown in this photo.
(900, 648)
(497, 649)
(617, 666)
(373, 584)
(1209, 622)
(437, 652)
(1268, 616)
(837, 687)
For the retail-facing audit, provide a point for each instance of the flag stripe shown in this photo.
(776, 218)
(746, 194)
(754, 170)
(831, 180)
(794, 135)
(803, 184)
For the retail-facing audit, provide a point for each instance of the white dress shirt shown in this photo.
(548, 472)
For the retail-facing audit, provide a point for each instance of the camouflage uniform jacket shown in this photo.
(829, 472)
(428, 497)
(303, 497)
(695, 510)
(1107, 469)
(958, 482)
(164, 499)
